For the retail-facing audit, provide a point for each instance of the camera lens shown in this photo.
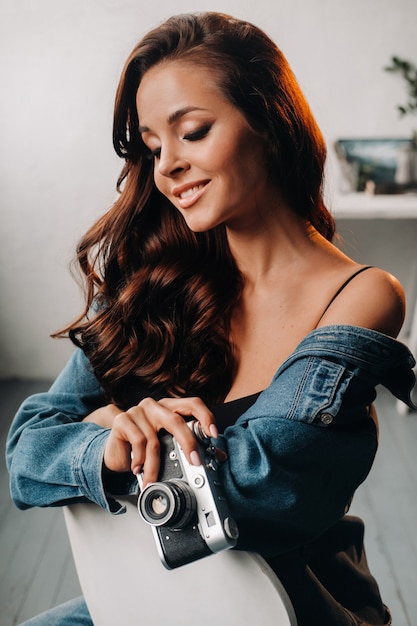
(170, 503)
(159, 506)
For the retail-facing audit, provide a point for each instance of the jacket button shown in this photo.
(326, 418)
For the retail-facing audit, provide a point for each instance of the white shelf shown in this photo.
(366, 206)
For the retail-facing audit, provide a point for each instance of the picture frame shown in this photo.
(377, 165)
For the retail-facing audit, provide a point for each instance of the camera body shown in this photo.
(187, 508)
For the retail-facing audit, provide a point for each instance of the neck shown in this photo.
(280, 239)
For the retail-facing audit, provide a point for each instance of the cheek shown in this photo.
(254, 160)
(243, 153)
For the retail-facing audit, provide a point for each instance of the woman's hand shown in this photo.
(104, 416)
(133, 443)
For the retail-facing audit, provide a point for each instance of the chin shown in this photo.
(201, 226)
(200, 229)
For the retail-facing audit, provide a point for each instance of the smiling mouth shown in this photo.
(191, 191)
(188, 196)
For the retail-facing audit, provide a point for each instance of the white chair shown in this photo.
(124, 581)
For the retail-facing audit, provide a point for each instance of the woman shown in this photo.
(211, 276)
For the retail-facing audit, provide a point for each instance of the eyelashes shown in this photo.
(195, 135)
(200, 133)
(153, 154)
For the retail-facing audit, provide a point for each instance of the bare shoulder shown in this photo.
(373, 299)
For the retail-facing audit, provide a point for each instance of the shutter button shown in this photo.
(326, 418)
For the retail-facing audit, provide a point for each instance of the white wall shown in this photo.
(60, 62)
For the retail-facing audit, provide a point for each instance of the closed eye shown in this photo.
(153, 154)
(198, 134)
(195, 135)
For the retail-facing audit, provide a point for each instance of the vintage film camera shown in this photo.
(187, 508)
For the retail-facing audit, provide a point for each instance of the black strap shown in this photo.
(362, 269)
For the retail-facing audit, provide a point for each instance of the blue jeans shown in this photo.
(72, 613)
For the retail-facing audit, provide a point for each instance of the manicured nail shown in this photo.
(213, 431)
(195, 458)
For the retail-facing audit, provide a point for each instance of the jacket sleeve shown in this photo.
(297, 455)
(52, 456)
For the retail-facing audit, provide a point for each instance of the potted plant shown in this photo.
(406, 173)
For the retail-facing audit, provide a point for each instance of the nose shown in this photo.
(171, 162)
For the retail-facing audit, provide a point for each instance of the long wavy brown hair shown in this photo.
(159, 297)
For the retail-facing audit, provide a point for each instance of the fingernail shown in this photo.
(195, 458)
(136, 470)
(213, 431)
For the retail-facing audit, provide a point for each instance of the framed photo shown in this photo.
(377, 165)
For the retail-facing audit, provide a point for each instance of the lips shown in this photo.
(188, 194)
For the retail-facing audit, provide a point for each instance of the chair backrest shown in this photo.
(124, 581)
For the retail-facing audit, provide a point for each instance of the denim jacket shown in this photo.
(295, 457)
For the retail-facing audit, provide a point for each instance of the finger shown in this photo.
(145, 446)
(152, 463)
(186, 440)
(130, 445)
(194, 407)
(159, 416)
(117, 452)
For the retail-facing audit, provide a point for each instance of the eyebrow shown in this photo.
(175, 116)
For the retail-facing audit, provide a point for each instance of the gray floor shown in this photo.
(36, 566)
(37, 570)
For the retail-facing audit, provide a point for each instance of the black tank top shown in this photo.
(227, 413)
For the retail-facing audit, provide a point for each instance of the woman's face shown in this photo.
(208, 161)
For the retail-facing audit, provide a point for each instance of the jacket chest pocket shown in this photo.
(319, 392)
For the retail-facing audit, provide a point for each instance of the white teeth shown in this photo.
(190, 192)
